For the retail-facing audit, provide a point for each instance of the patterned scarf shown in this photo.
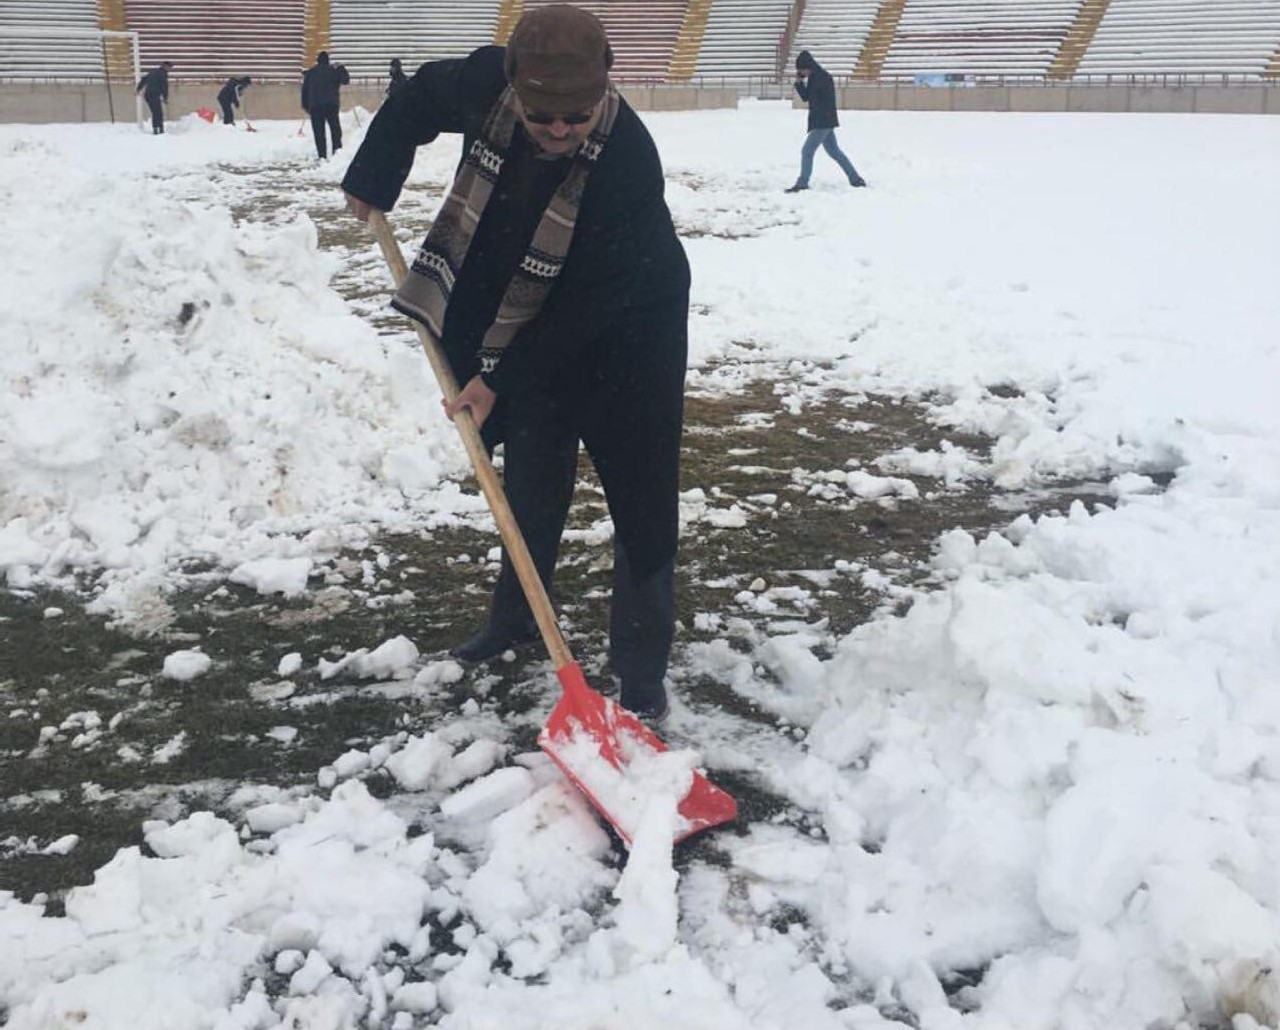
(424, 294)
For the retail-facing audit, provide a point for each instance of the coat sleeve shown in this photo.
(802, 88)
(430, 103)
(306, 81)
(624, 256)
(344, 76)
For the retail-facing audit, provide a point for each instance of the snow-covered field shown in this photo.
(1046, 798)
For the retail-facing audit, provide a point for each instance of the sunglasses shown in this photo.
(579, 118)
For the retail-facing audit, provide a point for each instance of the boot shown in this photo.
(492, 642)
(646, 701)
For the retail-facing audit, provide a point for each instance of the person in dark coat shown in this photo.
(321, 99)
(814, 85)
(229, 97)
(398, 78)
(154, 87)
(562, 307)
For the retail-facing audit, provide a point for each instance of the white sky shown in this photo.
(1067, 755)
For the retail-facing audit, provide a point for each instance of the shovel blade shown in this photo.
(594, 741)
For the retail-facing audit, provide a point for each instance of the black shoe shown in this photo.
(653, 717)
(490, 643)
(795, 189)
(859, 181)
(647, 702)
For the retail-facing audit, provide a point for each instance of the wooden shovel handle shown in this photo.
(486, 475)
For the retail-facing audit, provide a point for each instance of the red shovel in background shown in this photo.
(604, 750)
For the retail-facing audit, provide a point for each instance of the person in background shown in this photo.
(154, 87)
(815, 87)
(557, 286)
(321, 99)
(229, 97)
(398, 78)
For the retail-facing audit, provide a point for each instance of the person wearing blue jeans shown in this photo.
(815, 87)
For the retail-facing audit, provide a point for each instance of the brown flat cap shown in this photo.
(558, 59)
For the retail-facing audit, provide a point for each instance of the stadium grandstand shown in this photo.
(365, 34)
(663, 41)
(35, 42)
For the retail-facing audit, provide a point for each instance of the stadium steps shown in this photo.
(1079, 37)
(119, 56)
(315, 30)
(684, 59)
(508, 15)
(876, 46)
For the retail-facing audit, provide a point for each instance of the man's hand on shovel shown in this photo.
(355, 205)
(475, 397)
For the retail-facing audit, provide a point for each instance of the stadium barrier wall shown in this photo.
(45, 102)
(87, 102)
(1251, 98)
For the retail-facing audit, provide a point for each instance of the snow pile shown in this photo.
(177, 385)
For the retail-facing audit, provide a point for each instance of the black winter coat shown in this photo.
(230, 93)
(398, 81)
(820, 92)
(320, 85)
(155, 84)
(612, 334)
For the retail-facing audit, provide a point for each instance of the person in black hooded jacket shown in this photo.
(814, 85)
(321, 99)
(398, 78)
(562, 191)
(229, 96)
(154, 88)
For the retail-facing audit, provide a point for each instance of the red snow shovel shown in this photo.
(608, 753)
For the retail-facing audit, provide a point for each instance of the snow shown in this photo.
(186, 665)
(1059, 765)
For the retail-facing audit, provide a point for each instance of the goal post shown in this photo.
(109, 41)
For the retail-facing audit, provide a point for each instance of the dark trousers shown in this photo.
(321, 115)
(157, 115)
(540, 463)
(228, 117)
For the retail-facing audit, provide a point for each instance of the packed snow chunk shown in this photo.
(476, 759)
(500, 790)
(790, 861)
(186, 665)
(414, 765)
(17, 548)
(289, 664)
(287, 576)
(200, 834)
(544, 857)
(648, 909)
(272, 816)
(387, 659)
(869, 487)
(62, 846)
(432, 673)
(349, 763)
(415, 997)
(312, 974)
